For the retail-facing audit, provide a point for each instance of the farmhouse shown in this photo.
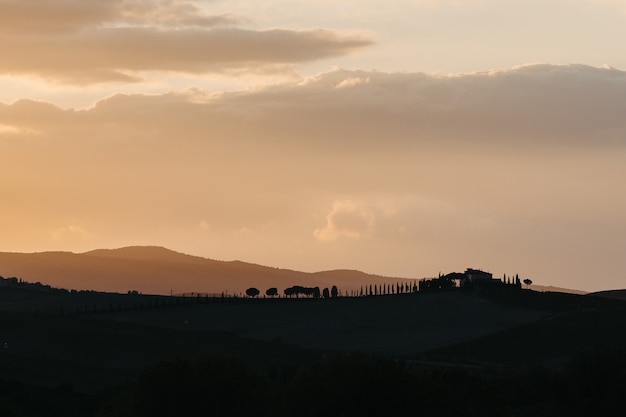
(477, 275)
(472, 277)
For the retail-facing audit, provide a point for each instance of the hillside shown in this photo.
(64, 346)
(613, 294)
(82, 342)
(156, 270)
(579, 324)
(498, 327)
(396, 325)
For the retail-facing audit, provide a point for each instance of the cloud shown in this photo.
(422, 171)
(95, 42)
(8, 129)
(346, 219)
(353, 82)
(14, 130)
(172, 13)
(34, 17)
(69, 234)
(539, 106)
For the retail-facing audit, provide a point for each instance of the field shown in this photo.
(101, 337)
(94, 342)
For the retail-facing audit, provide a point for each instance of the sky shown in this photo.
(401, 137)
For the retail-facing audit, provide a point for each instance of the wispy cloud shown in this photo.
(34, 18)
(346, 219)
(484, 167)
(69, 234)
(94, 42)
(543, 107)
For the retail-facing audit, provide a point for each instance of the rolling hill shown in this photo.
(157, 270)
(613, 294)
(92, 338)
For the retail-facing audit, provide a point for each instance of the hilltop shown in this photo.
(157, 270)
(61, 347)
(506, 327)
(613, 294)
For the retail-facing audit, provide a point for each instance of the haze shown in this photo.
(401, 138)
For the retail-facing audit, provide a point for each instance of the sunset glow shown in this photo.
(400, 138)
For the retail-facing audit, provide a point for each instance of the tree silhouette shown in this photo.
(271, 292)
(185, 388)
(334, 292)
(298, 290)
(528, 282)
(595, 381)
(252, 292)
(316, 292)
(328, 389)
(326, 293)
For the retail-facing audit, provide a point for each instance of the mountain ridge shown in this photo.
(158, 270)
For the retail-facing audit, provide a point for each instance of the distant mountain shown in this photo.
(145, 253)
(550, 288)
(157, 270)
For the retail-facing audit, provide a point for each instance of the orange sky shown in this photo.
(216, 131)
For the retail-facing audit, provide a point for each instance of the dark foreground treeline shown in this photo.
(591, 384)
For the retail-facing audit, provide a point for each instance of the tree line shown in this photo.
(590, 384)
(315, 292)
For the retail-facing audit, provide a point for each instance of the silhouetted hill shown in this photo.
(93, 341)
(579, 324)
(398, 325)
(614, 294)
(146, 253)
(94, 337)
(157, 270)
